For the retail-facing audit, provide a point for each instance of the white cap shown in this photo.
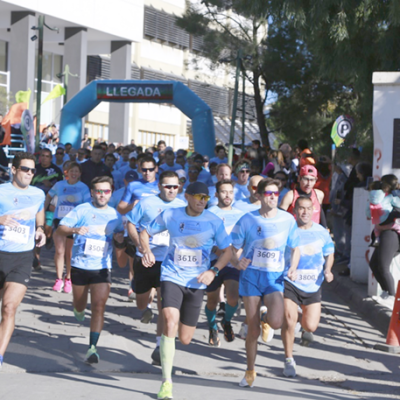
(133, 155)
(181, 173)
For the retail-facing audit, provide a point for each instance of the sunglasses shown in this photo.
(26, 170)
(201, 197)
(268, 193)
(245, 171)
(165, 185)
(59, 153)
(148, 169)
(182, 180)
(100, 191)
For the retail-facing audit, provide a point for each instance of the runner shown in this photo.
(242, 172)
(253, 202)
(262, 235)
(93, 225)
(303, 279)
(148, 278)
(185, 271)
(229, 276)
(70, 193)
(21, 209)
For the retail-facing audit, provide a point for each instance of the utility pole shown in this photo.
(66, 73)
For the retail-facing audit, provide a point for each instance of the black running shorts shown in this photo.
(299, 297)
(83, 277)
(15, 267)
(187, 300)
(145, 278)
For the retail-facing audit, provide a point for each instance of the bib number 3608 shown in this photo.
(187, 258)
(96, 248)
(268, 259)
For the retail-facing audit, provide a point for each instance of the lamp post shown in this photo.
(66, 73)
(40, 27)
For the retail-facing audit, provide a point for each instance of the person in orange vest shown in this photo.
(324, 180)
(305, 154)
(307, 179)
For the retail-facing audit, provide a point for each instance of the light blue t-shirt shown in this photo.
(218, 160)
(205, 177)
(69, 196)
(245, 205)
(138, 189)
(144, 212)
(314, 243)
(181, 196)
(166, 167)
(22, 205)
(116, 197)
(214, 200)
(118, 179)
(121, 163)
(242, 192)
(264, 241)
(93, 251)
(229, 218)
(191, 242)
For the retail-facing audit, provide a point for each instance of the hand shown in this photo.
(40, 238)
(8, 220)
(83, 230)
(243, 263)
(119, 237)
(328, 276)
(292, 274)
(206, 277)
(148, 260)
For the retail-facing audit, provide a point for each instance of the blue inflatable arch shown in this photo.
(123, 91)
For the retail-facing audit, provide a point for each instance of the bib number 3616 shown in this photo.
(268, 259)
(96, 248)
(187, 258)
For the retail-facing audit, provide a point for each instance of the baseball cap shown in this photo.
(181, 173)
(308, 170)
(131, 176)
(133, 155)
(197, 188)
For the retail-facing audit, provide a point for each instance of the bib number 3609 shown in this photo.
(268, 259)
(187, 258)
(96, 248)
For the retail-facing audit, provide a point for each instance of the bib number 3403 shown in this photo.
(96, 248)
(268, 259)
(187, 258)
(18, 234)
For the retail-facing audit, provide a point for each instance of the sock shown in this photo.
(80, 316)
(158, 341)
(290, 360)
(229, 311)
(94, 338)
(149, 306)
(211, 315)
(1, 360)
(167, 353)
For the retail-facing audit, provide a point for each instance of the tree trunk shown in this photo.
(260, 109)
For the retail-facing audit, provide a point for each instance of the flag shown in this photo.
(23, 97)
(56, 92)
(12, 117)
(341, 128)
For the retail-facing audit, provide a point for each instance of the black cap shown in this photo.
(131, 176)
(197, 188)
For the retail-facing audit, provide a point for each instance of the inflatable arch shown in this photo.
(124, 91)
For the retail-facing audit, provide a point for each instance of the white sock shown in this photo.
(158, 341)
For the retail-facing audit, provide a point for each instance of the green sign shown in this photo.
(135, 91)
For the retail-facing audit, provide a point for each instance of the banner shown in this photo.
(56, 92)
(341, 128)
(27, 129)
(23, 97)
(11, 118)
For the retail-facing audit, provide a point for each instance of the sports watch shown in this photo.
(215, 269)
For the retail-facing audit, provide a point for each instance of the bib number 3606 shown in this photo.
(96, 248)
(268, 259)
(187, 258)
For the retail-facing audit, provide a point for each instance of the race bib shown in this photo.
(161, 239)
(64, 210)
(307, 276)
(96, 248)
(17, 234)
(269, 259)
(187, 257)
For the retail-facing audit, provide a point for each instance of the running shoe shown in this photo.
(248, 380)
(243, 331)
(165, 392)
(36, 264)
(289, 369)
(387, 302)
(267, 333)
(297, 328)
(67, 285)
(221, 309)
(131, 295)
(147, 316)
(213, 339)
(228, 331)
(384, 295)
(58, 285)
(79, 316)
(155, 356)
(239, 308)
(91, 356)
(306, 338)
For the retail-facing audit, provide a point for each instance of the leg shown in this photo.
(289, 323)
(211, 308)
(311, 317)
(13, 293)
(59, 245)
(80, 297)
(252, 307)
(186, 333)
(274, 303)
(99, 293)
(160, 319)
(142, 299)
(68, 256)
(232, 298)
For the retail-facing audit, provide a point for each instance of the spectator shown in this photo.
(86, 142)
(60, 157)
(94, 167)
(220, 155)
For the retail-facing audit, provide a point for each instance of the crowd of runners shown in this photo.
(191, 229)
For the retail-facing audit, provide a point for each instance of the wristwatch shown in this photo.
(215, 269)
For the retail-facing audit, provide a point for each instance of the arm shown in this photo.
(328, 268)
(40, 235)
(241, 264)
(133, 234)
(320, 195)
(286, 201)
(66, 231)
(124, 207)
(148, 259)
(47, 201)
(207, 277)
(294, 263)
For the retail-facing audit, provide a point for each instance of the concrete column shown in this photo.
(120, 68)
(75, 56)
(22, 53)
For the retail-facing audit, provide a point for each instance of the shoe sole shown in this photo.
(146, 318)
(289, 375)
(246, 385)
(93, 359)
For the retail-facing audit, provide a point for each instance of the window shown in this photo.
(149, 139)
(3, 56)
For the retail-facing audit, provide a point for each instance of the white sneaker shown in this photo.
(384, 295)
(387, 302)
(289, 369)
(243, 331)
(297, 328)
